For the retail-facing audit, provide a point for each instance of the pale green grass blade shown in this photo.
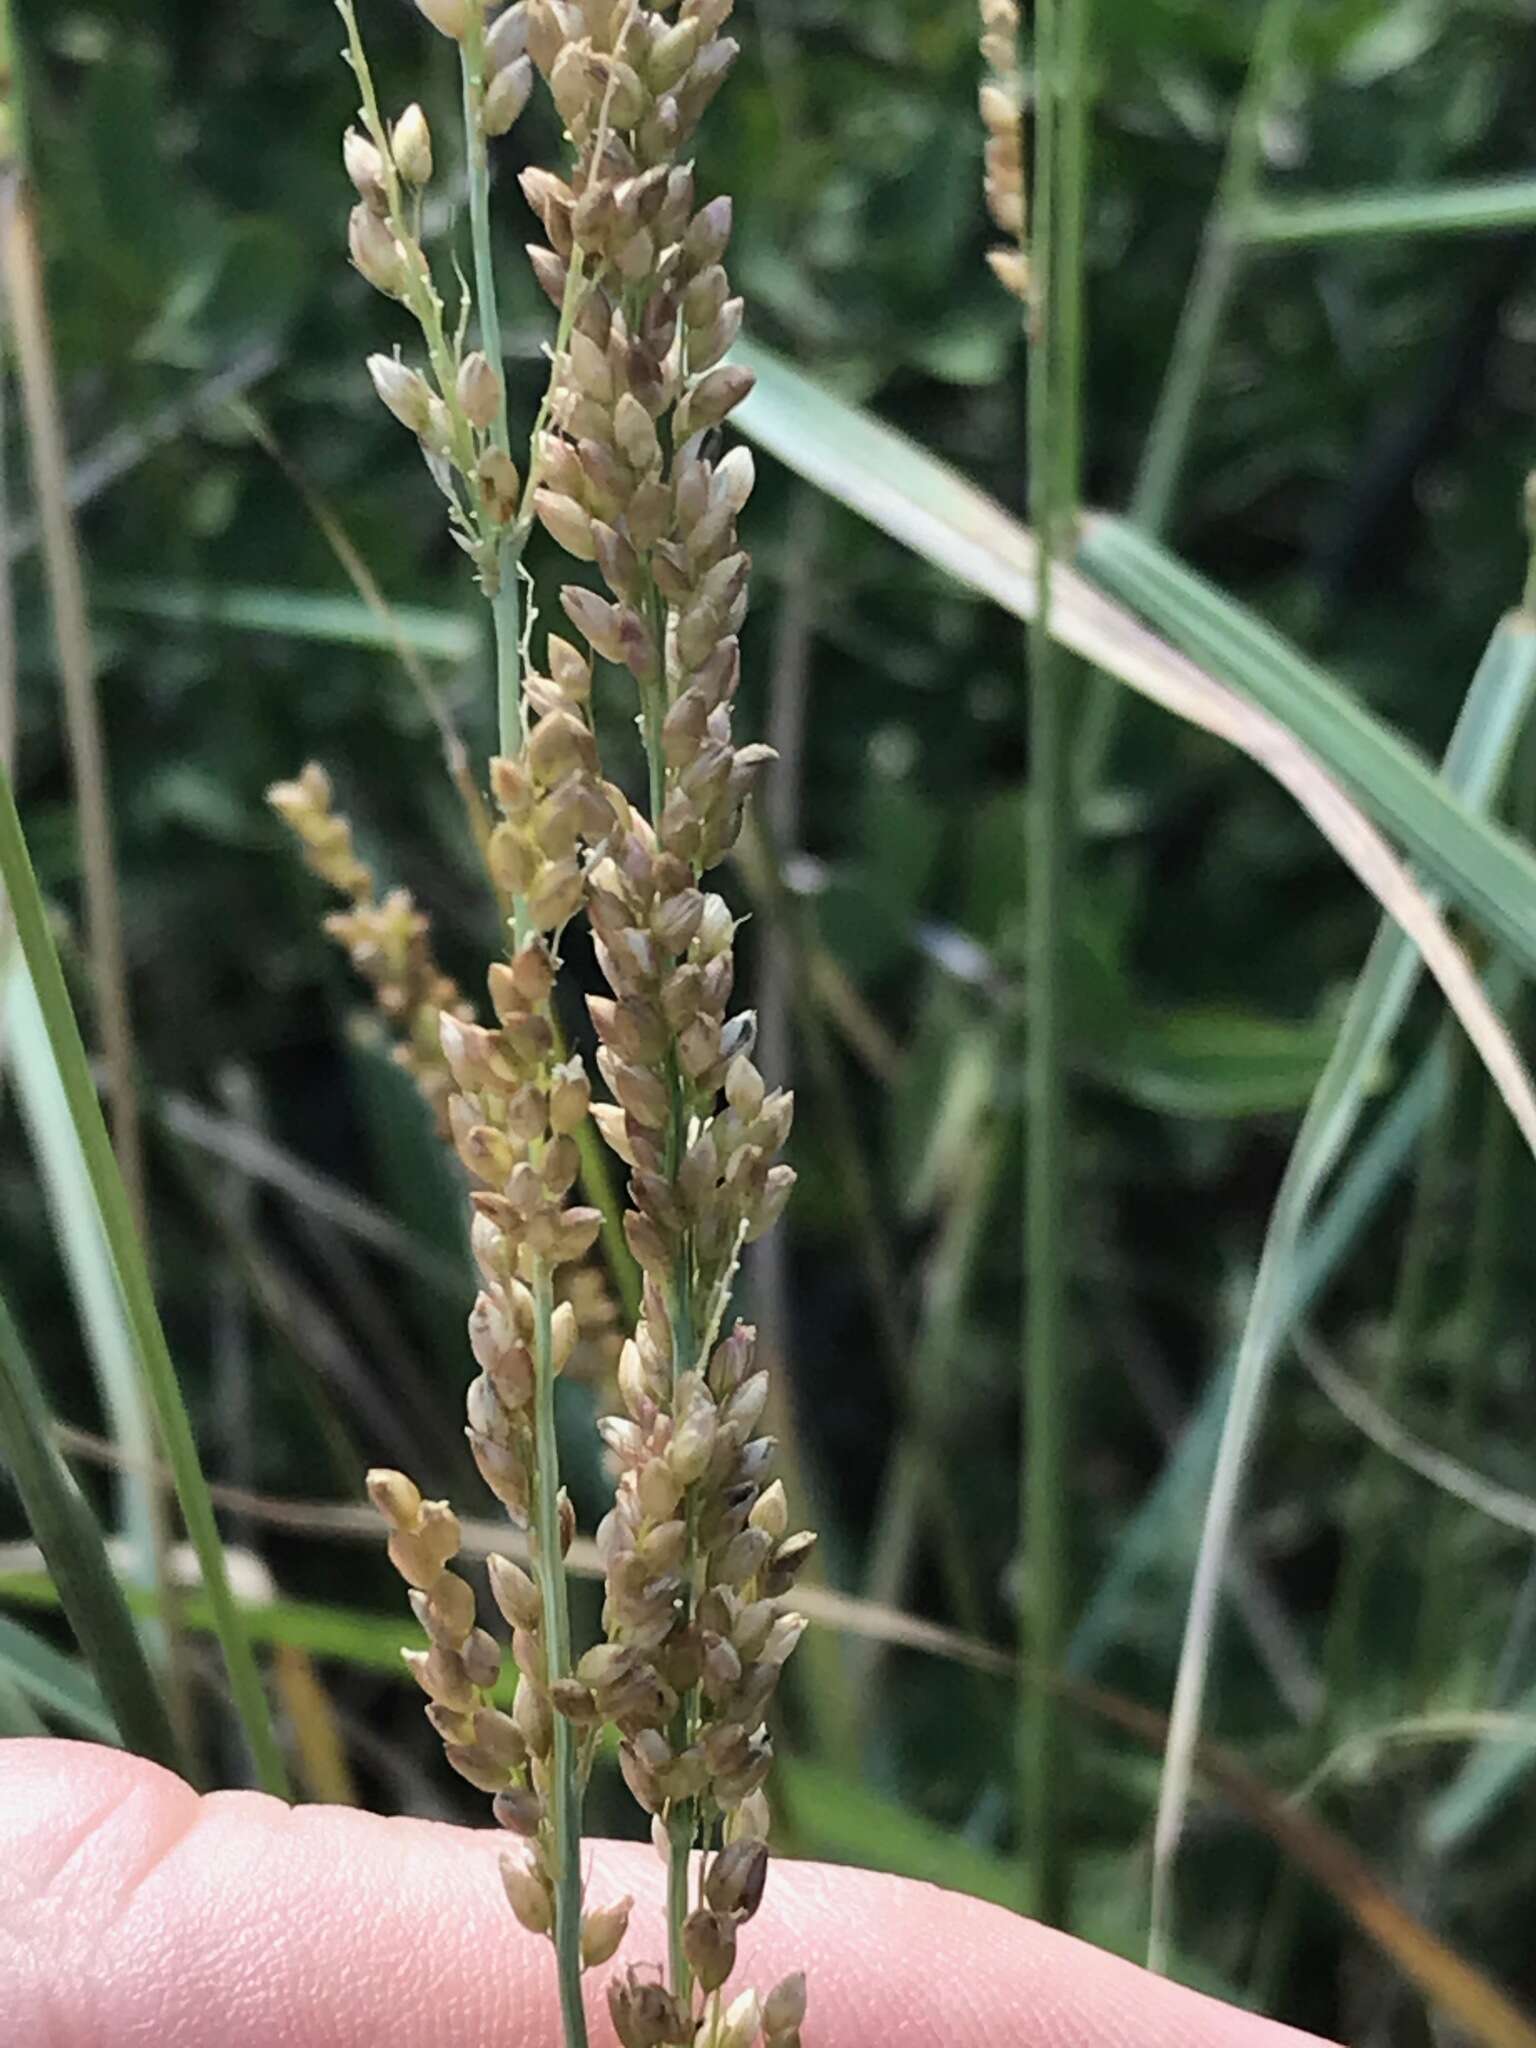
(152, 1352)
(841, 1821)
(299, 615)
(348, 1635)
(67, 1534)
(59, 1685)
(928, 506)
(1476, 762)
(18, 1716)
(1162, 1534)
(1489, 206)
(1496, 1767)
(83, 1248)
(1480, 866)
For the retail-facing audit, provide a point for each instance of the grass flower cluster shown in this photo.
(623, 473)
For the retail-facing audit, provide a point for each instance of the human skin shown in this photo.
(134, 1911)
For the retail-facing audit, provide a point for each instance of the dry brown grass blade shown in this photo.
(1457, 1988)
(319, 1745)
(26, 307)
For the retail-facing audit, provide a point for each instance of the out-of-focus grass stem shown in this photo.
(1194, 346)
(1062, 33)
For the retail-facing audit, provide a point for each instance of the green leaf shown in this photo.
(928, 506)
(1161, 1537)
(1207, 1063)
(348, 1635)
(1483, 868)
(60, 1685)
(296, 615)
(1488, 1774)
(1496, 204)
(844, 1822)
(115, 1218)
(83, 1247)
(67, 1534)
(1476, 762)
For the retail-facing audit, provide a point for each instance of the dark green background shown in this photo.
(1356, 472)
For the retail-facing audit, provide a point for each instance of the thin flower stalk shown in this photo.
(697, 1549)
(621, 473)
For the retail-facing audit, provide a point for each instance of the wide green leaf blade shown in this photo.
(297, 614)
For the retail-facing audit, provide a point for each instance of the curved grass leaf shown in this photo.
(1478, 864)
(88, 1263)
(60, 1685)
(1302, 729)
(1475, 764)
(153, 1354)
(69, 1538)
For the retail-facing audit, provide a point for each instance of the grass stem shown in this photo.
(153, 1354)
(565, 1787)
(1194, 346)
(1055, 400)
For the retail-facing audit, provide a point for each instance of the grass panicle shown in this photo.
(698, 1552)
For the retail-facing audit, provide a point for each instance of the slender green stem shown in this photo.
(565, 1788)
(683, 1821)
(1365, 1522)
(1476, 1323)
(1471, 1355)
(565, 1792)
(478, 166)
(1194, 345)
(1055, 391)
(1483, 206)
(153, 1354)
(504, 595)
(680, 1844)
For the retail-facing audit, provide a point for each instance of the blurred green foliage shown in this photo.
(1355, 473)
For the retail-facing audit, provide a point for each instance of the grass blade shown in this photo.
(1217, 269)
(1503, 1504)
(59, 1685)
(69, 1538)
(922, 502)
(1478, 755)
(117, 1225)
(1479, 865)
(913, 497)
(88, 1263)
(298, 614)
(1483, 1783)
(1489, 206)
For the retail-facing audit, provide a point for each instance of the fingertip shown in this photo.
(131, 1909)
